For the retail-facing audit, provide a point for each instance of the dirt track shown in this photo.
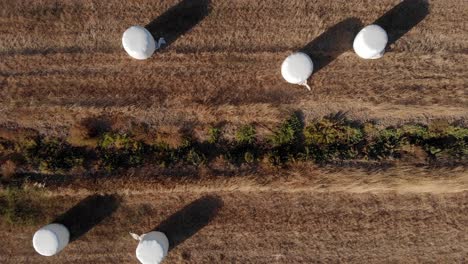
(271, 227)
(62, 60)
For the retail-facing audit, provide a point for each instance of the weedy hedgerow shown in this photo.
(51, 154)
(386, 144)
(288, 133)
(327, 139)
(286, 141)
(121, 151)
(244, 148)
(322, 140)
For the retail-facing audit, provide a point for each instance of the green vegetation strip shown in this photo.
(22, 206)
(324, 140)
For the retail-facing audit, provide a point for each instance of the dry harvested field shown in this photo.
(63, 60)
(267, 227)
(393, 216)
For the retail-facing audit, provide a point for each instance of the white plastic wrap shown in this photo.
(138, 42)
(370, 42)
(152, 248)
(297, 68)
(51, 239)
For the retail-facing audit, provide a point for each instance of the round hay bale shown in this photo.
(370, 42)
(297, 68)
(138, 42)
(51, 239)
(152, 248)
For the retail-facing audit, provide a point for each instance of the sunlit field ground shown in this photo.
(206, 142)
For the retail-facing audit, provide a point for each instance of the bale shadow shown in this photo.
(402, 18)
(190, 219)
(178, 20)
(332, 43)
(88, 213)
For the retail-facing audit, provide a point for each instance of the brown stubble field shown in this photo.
(63, 60)
(398, 215)
(268, 227)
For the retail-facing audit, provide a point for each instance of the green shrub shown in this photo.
(322, 140)
(459, 133)
(195, 158)
(386, 144)
(416, 134)
(116, 141)
(51, 154)
(452, 141)
(121, 151)
(288, 133)
(326, 139)
(190, 152)
(236, 153)
(163, 154)
(243, 149)
(246, 135)
(214, 135)
(286, 141)
(459, 148)
(21, 207)
(438, 139)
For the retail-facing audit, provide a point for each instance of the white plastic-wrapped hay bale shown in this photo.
(152, 248)
(51, 239)
(138, 42)
(297, 68)
(370, 42)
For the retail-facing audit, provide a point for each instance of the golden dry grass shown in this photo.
(270, 227)
(62, 61)
(353, 178)
(353, 216)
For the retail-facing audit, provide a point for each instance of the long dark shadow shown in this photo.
(190, 219)
(88, 213)
(332, 43)
(178, 20)
(402, 18)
